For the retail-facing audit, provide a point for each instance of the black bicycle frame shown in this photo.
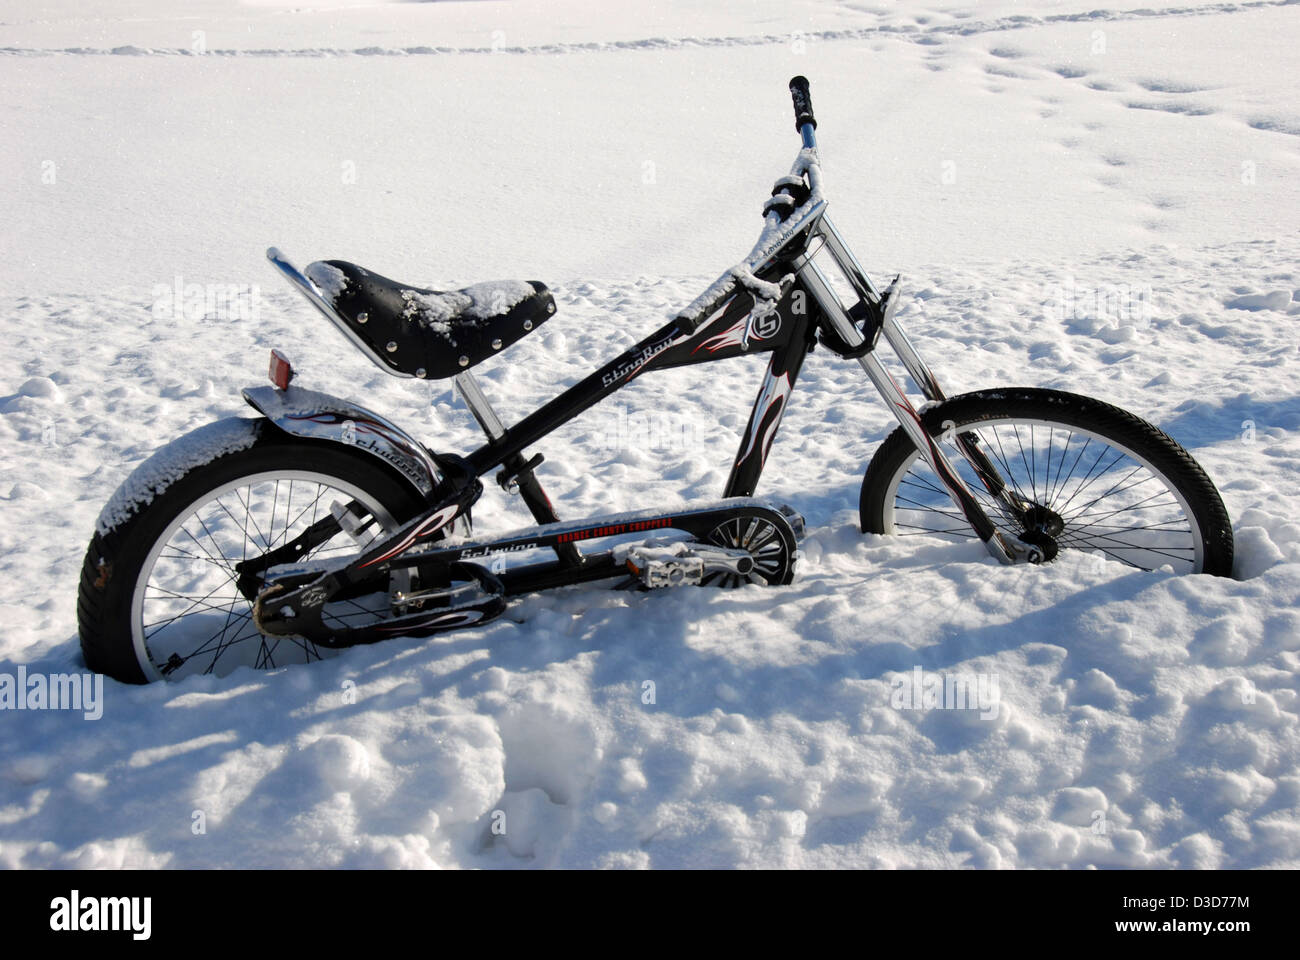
(808, 312)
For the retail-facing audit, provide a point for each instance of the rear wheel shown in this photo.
(1085, 476)
(159, 598)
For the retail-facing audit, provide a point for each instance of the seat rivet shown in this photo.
(362, 317)
(421, 373)
(392, 346)
(528, 324)
(550, 308)
(496, 344)
(464, 361)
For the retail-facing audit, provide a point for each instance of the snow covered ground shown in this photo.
(1002, 155)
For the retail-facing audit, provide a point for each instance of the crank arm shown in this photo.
(724, 560)
(302, 602)
(287, 615)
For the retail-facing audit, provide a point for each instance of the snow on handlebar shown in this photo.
(780, 225)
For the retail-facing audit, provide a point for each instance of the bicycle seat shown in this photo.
(431, 334)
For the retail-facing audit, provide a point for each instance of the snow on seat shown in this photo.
(431, 333)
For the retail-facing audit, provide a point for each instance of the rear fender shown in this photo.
(319, 416)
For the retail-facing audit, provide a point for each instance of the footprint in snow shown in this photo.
(1273, 300)
(1276, 125)
(1186, 109)
(1169, 86)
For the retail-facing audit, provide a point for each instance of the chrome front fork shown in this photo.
(1007, 550)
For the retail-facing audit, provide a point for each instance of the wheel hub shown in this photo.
(1042, 527)
(1040, 519)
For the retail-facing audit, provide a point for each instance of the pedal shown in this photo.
(666, 566)
(658, 564)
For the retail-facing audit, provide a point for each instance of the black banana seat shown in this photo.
(431, 333)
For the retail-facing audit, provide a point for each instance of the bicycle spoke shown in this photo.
(193, 620)
(1087, 493)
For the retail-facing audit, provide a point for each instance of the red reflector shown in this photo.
(281, 372)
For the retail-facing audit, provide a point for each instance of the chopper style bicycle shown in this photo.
(321, 525)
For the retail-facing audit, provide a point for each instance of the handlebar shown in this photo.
(803, 110)
(795, 206)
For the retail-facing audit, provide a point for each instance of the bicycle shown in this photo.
(375, 536)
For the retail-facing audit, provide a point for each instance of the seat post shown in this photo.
(478, 405)
(517, 473)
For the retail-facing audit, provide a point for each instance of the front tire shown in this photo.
(157, 598)
(1100, 479)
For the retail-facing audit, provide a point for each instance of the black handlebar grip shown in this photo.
(803, 111)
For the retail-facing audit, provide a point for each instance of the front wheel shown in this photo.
(1080, 474)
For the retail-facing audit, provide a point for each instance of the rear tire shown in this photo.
(901, 495)
(113, 602)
